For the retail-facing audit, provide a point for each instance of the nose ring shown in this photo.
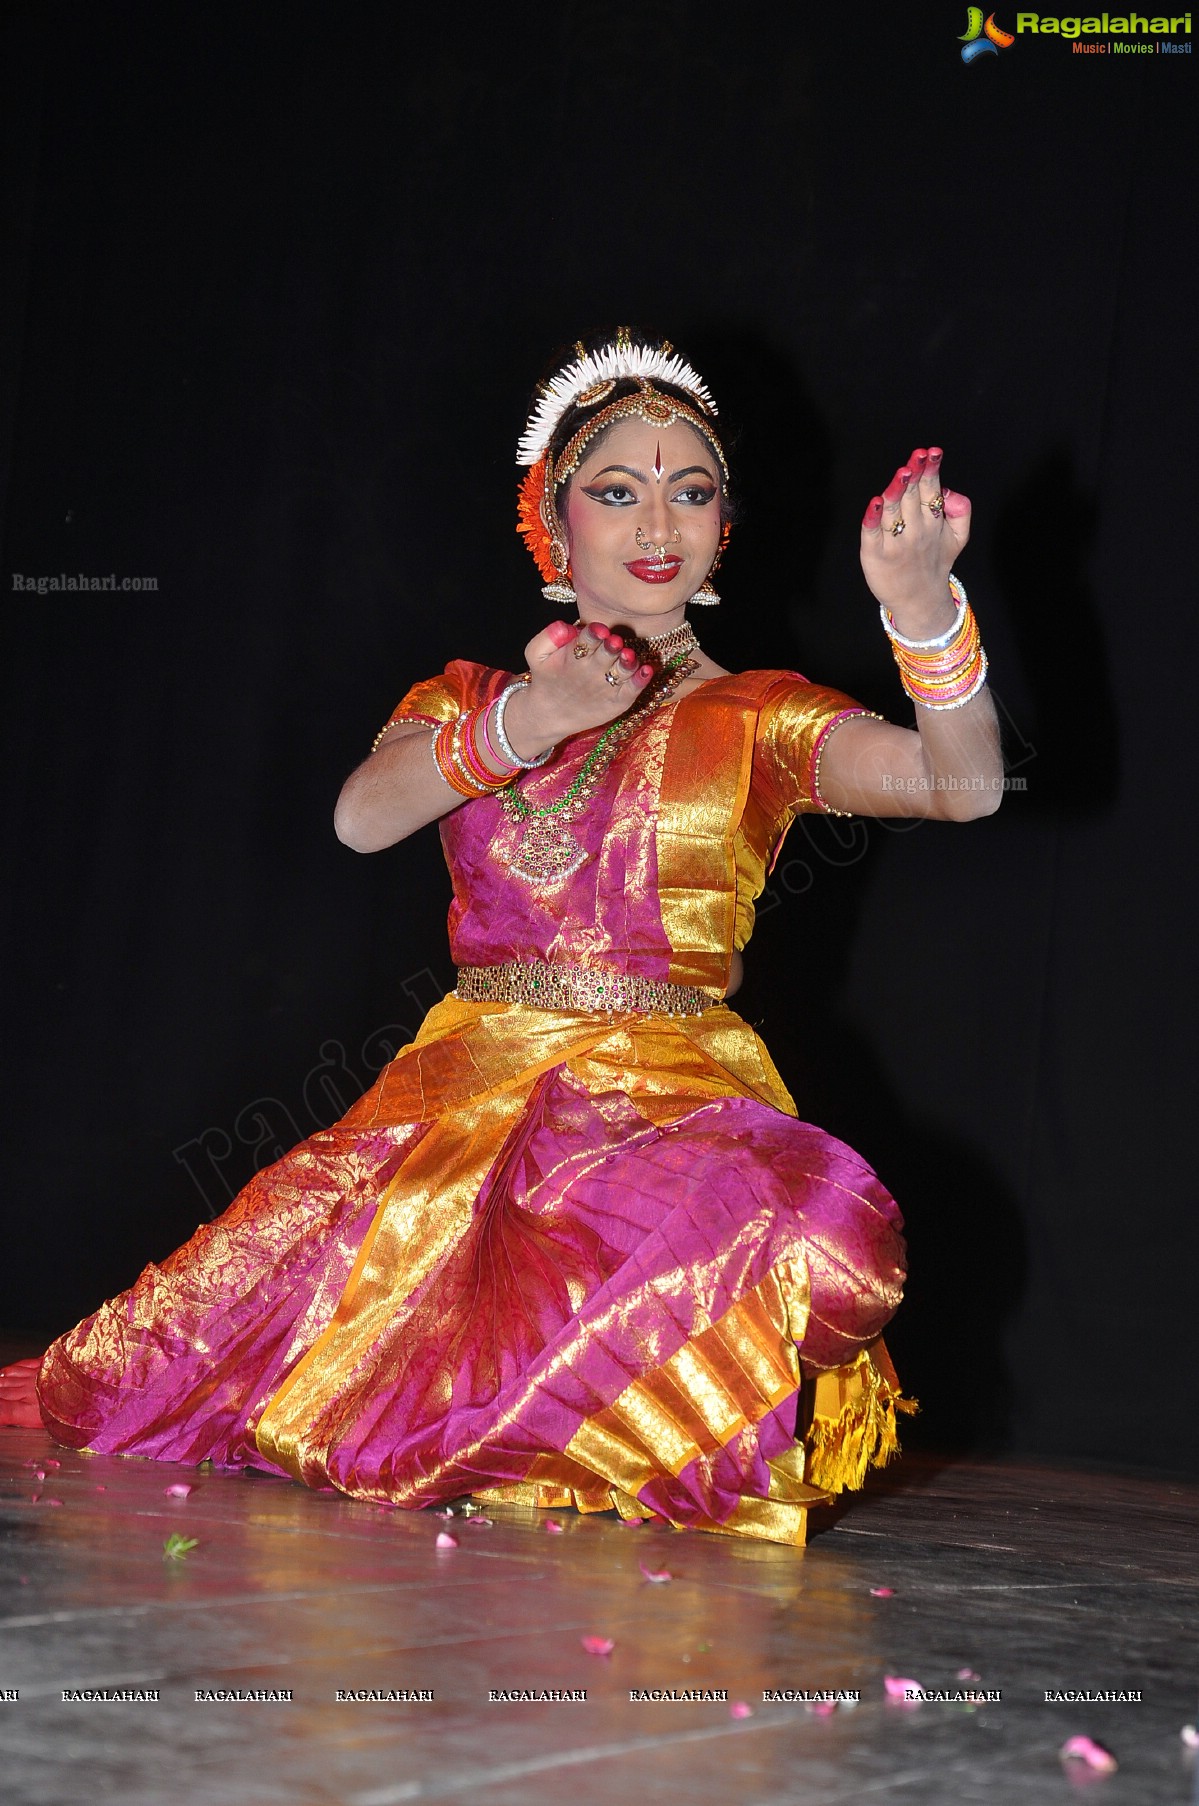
(648, 545)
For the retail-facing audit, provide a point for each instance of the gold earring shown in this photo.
(705, 596)
(561, 590)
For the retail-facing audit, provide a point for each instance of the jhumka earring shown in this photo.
(705, 596)
(561, 590)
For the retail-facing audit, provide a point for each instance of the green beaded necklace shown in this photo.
(548, 852)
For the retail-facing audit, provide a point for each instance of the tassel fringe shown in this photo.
(853, 1424)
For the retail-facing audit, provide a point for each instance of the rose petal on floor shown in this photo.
(967, 1674)
(820, 1708)
(1085, 1749)
(739, 1709)
(1190, 1736)
(883, 1592)
(601, 1646)
(657, 1575)
(898, 1686)
(179, 1490)
(552, 1527)
(629, 1523)
(445, 1540)
(480, 1523)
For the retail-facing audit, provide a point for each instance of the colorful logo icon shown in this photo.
(982, 37)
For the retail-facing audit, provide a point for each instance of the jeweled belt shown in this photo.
(543, 985)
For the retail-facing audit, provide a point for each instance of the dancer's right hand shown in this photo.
(579, 678)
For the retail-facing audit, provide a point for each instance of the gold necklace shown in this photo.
(547, 852)
(656, 648)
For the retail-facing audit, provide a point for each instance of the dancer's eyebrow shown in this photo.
(626, 470)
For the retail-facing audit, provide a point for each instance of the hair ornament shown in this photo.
(531, 523)
(599, 371)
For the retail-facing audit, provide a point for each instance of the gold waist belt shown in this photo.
(545, 986)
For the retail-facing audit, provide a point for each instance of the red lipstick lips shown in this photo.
(651, 570)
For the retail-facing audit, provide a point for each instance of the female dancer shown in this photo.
(574, 1246)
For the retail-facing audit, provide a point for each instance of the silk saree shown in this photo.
(555, 1257)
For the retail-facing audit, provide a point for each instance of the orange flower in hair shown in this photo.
(530, 520)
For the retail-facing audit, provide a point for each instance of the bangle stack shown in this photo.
(945, 672)
(457, 756)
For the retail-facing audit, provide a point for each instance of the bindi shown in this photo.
(658, 465)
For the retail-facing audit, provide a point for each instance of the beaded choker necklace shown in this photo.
(657, 648)
(547, 852)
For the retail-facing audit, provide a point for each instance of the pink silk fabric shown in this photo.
(568, 1204)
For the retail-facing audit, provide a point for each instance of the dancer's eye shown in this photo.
(696, 495)
(612, 495)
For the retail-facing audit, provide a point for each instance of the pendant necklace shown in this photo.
(547, 852)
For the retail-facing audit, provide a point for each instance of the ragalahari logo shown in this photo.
(982, 37)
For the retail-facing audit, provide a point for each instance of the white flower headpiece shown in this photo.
(593, 375)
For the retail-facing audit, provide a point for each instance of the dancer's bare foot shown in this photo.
(18, 1397)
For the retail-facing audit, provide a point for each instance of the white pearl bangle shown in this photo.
(957, 591)
(501, 737)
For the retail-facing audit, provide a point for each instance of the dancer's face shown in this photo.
(642, 521)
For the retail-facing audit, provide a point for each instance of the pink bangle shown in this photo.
(493, 751)
(468, 757)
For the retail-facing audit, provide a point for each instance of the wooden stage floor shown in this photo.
(1032, 1579)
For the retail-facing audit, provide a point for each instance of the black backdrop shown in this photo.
(279, 284)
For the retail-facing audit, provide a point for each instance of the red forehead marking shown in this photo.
(658, 466)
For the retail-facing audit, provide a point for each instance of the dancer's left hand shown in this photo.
(911, 535)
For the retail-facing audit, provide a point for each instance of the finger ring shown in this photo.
(613, 676)
(936, 506)
(582, 651)
(901, 526)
